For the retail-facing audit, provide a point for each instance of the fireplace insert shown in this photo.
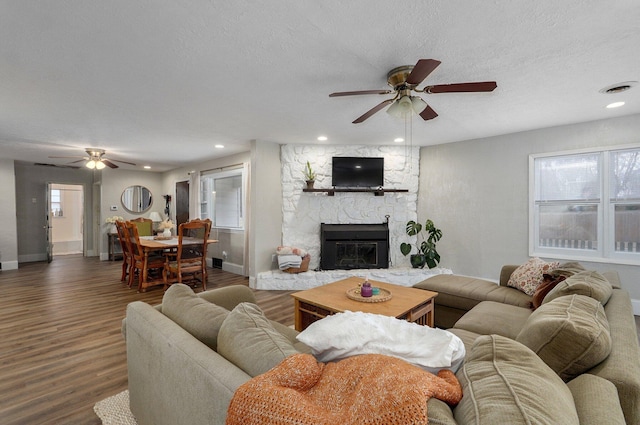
(354, 246)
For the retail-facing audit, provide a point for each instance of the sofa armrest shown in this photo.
(229, 296)
(173, 377)
(505, 273)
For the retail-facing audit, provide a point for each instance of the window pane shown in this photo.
(569, 226)
(627, 228)
(625, 175)
(571, 177)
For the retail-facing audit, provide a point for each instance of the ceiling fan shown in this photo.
(95, 159)
(404, 80)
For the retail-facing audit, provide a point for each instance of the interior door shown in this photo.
(47, 226)
(182, 202)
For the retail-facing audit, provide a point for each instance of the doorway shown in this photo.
(66, 219)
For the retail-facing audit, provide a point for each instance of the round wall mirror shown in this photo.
(136, 199)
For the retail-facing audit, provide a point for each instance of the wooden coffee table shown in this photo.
(411, 304)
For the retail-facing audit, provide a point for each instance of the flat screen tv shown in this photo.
(350, 171)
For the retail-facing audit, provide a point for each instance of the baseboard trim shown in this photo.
(9, 265)
(233, 268)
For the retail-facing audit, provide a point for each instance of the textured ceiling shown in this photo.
(160, 82)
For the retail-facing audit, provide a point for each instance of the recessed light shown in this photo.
(219, 146)
(322, 138)
(398, 140)
(147, 167)
(615, 105)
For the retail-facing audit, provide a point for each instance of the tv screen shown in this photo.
(350, 171)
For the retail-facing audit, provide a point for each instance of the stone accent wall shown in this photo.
(303, 212)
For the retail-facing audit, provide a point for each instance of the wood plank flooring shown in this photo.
(61, 349)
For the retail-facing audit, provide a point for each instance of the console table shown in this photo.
(115, 250)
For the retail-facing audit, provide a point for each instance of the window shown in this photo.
(56, 203)
(586, 205)
(222, 197)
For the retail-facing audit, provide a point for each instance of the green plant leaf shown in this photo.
(405, 248)
(413, 228)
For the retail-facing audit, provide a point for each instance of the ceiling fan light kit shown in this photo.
(404, 80)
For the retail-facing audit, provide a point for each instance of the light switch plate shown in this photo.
(113, 208)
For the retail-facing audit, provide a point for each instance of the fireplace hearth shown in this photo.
(354, 246)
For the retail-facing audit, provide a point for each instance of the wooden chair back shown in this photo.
(191, 258)
(144, 225)
(125, 244)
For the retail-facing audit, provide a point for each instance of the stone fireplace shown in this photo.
(354, 246)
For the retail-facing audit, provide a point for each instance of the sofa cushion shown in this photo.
(490, 317)
(596, 400)
(570, 334)
(504, 382)
(589, 283)
(249, 340)
(197, 316)
(528, 276)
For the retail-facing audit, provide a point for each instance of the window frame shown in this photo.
(214, 175)
(605, 252)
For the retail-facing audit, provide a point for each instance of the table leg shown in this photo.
(145, 272)
(297, 315)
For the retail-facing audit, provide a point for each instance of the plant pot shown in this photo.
(310, 184)
(418, 261)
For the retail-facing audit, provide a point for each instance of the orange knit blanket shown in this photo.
(366, 389)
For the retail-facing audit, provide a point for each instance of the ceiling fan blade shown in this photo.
(372, 111)
(483, 86)
(355, 93)
(428, 113)
(108, 163)
(421, 70)
(123, 162)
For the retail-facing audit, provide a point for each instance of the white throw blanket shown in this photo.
(287, 261)
(351, 333)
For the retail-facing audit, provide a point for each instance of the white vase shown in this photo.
(166, 233)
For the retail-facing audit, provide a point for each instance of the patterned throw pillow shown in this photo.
(528, 276)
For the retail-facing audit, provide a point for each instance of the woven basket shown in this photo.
(304, 266)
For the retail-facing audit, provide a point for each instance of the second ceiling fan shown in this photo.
(404, 80)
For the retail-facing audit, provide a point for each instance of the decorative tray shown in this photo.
(162, 238)
(354, 294)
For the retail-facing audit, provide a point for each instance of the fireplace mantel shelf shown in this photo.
(376, 192)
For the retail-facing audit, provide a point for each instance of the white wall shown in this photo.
(303, 212)
(266, 206)
(477, 192)
(9, 233)
(113, 183)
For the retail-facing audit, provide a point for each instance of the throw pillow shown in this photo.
(528, 276)
(589, 283)
(350, 333)
(199, 317)
(570, 334)
(548, 283)
(249, 340)
(504, 382)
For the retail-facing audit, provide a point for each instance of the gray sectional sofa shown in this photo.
(474, 308)
(185, 360)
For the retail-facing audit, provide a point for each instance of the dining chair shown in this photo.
(145, 226)
(189, 259)
(127, 260)
(154, 262)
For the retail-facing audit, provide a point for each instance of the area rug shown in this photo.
(114, 410)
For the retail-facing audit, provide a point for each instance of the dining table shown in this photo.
(150, 244)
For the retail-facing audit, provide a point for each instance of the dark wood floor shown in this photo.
(61, 349)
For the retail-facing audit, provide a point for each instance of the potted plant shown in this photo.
(427, 253)
(309, 175)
